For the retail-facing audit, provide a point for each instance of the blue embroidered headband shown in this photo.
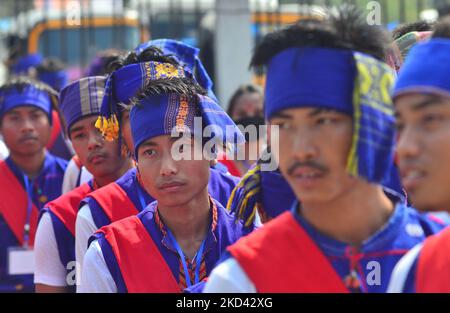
(160, 114)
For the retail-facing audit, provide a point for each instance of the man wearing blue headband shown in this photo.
(126, 196)
(30, 176)
(55, 238)
(176, 240)
(422, 103)
(328, 93)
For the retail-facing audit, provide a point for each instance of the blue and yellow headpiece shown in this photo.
(186, 56)
(123, 84)
(347, 81)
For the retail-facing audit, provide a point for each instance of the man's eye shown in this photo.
(150, 152)
(12, 117)
(283, 125)
(326, 120)
(431, 118)
(399, 126)
(79, 136)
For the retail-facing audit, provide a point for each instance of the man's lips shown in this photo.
(307, 172)
(97, 158)
(306, 176)
(411, 177)
(27, 139)
(171, 186)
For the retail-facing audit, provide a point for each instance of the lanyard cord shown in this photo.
(198, 260)
(29, 191)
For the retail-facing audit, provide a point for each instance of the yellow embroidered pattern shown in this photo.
(182, 114)
(166, 70)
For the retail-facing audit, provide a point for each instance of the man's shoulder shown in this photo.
(430, 223)
(59, 163)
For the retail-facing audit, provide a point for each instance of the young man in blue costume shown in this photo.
(328, 92)
(176, 240)
(422, 102)
(55, 238)
(30, 176)
(122, 198)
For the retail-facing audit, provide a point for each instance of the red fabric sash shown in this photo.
(115, 202)
(433, 267)
(14, 203)
(231, 166)
(56, 129)
(66, 206)
(281, 257)
(142, 266)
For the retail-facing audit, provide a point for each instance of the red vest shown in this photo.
(433, 267)
(115, 202)
(66, 206)
(281, 257)
(14, 203)
(56, 129)
(142, 266)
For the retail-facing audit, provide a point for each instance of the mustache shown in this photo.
(97, 154)
(27, 137)
(311, 164)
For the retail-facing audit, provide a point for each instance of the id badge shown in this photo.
(20, 261)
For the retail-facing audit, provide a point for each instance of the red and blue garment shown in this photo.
(149, 261)
(13, 211)
(63, 212)
(430, 270)
(290, 255)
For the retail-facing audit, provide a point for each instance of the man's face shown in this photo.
(171, 182)
(248, 105)
(313, 148)
(423, 123)
(101, 157)
(26, 130)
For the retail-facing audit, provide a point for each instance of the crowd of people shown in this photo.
(95, 196)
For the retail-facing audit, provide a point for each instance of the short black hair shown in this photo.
(21, 82)
(343, 28)
(242, 90)
(51, 65)
(100, 65)
(442, 28)
(151, 53)
(181, 86)
(418, 26)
